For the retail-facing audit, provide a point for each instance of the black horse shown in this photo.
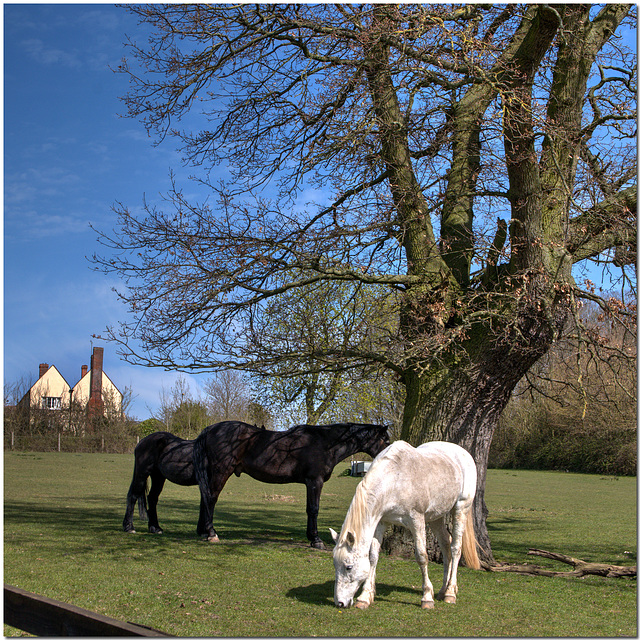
(304, 454)
(160, 456)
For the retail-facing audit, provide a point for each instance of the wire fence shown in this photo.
(63, 442)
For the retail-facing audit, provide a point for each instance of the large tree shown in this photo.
(463, 157)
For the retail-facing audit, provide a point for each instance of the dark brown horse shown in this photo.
(304, 454)
(160, 456)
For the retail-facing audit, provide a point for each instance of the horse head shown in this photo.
(376, 439)
(352, 568)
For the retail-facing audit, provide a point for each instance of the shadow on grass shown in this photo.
(92, 521)
(321, 594)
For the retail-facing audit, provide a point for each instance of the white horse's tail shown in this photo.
(469, 548)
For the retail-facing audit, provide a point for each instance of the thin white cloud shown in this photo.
(40, 225)
(28, 196)
(96, 19)
(47, 55)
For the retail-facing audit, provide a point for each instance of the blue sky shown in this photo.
(68, 157)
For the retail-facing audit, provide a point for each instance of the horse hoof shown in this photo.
(213, 538)
(362, 605)
(429, 604)
(450, 599)
(318, 544)
(155, 530)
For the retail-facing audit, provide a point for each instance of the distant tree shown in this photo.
(376, 399)
(15, 391)
(577, 408)
(165, 407)
(126, 402)
(467, 157)
(259, 415)
(17, 418)
(179, 412)
(189, 418)
(313, 319)
(594, 363)
(227, 396)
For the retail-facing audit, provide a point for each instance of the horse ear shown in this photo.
(350, 538)
(334, 535)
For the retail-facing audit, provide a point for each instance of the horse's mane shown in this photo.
(354, 520)
(363, 497)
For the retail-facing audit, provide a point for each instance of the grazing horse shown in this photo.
(161, 456)
(305, 454)
(408, 486)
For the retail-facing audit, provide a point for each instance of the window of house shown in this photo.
(50, 402)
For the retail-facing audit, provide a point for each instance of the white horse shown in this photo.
(408, 486)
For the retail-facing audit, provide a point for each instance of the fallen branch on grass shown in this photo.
(580, 567)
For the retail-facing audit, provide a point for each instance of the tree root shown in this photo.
(580, 567)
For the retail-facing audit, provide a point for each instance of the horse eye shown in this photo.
(348, 567)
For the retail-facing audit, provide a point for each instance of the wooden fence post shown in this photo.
(46, 617)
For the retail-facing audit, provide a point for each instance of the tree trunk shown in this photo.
(463, 404)
(464, 411)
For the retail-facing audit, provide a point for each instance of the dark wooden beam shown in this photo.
(46, 617)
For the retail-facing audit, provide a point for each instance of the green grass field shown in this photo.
(63, 539)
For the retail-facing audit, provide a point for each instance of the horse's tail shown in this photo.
(200, 465)
(142, 502)
(469, 547)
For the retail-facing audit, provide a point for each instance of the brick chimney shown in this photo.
(83, 371)
(95, 406)
(44, 367)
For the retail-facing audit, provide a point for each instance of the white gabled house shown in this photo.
(50, 391)
(94, 393)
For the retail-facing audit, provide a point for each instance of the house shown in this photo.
(50, 391)
(94, 395)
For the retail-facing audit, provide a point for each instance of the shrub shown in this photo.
(548, 437)
(149, 426)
